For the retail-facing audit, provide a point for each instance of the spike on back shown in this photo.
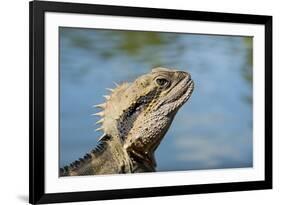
(101, 114)
(102, 105)
(107, 97)
(99, 128)
(109, 89)
(100, 121)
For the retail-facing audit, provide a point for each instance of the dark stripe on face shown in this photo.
(127, 119)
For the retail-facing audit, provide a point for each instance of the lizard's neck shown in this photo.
(139, 166)
(141, 162)
(113, 159)
(128, 162)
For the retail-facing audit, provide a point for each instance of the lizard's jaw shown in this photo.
(186, 93)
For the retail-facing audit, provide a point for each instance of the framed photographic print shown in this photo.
(140, 102)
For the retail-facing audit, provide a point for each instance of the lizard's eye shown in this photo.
(162, 82)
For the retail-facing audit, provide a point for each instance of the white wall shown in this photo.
(14, 100)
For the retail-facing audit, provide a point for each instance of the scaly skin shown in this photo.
(134, 120)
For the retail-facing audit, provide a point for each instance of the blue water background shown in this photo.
(212, 130)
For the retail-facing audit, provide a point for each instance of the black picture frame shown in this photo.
(37, 11)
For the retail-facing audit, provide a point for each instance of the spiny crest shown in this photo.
(74, 165)
(111, 110)
(87, 157)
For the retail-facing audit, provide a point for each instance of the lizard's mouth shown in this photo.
(185, 92)
(184, 87)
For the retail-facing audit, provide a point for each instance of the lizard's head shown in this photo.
(140, 113)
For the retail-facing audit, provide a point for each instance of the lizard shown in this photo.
(134, 119)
